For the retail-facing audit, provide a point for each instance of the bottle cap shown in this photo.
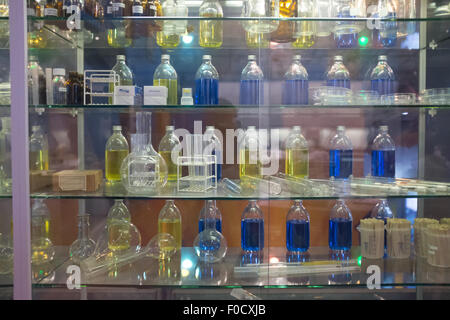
(187, 92)
(251, 128)
(165, 57)
(382, 58)
(297, 57)
(115, 128)
(297, 128)
(338, 58)
(35, 128)
(33, 58)
(59, 72)
(170, 128)
(206, 57)
(210, 128)
(120, 57)
(384, 128)
(340, 128)
(251, 57)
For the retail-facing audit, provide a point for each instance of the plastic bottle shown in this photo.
(211, 31)
(169, 221)
(165, 75)
(36, 83)
(295, 90)
(338, 75)
(38, 150)
(59, 86)
(170, 149)
(168, 38)
(207, 83)
(383, 154)
(252, 228)
(340, 227)
(297, 154)
(214, 147)
(124, 72)
(116, 151)
(252, 87)
(249, 164)
(341, 155)
(382, 77)
(297, 228)
(210, 217)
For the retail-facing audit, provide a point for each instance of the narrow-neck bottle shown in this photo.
(341, 155)
(383, 154)
(170, 149)
(116, 151)
(297, 154)
(59, 86)
(304, 31)
(36, 83)
(340, 227)
(118, 211)
(83, 247)
(210, 217)
(382, 77)
(252, 228)
(166, 76)
(124, 72)
(214, 147)
(207, 83)
(252, 87)
(38, 150)
(168, 37)
(169, 221)
(295, 90)
(118, 226)
(211, 31)
(249, 164)
(338, 75)
(297, 228)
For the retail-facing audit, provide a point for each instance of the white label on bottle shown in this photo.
(152, 7)
(138, 9)
(62, 89)
(31, 12)
(117, 6)
(51, 12)
(109, 10)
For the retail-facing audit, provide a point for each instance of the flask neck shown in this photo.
(83, 227)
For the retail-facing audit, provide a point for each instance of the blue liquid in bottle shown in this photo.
(216, 222)
(344, 83)
(340, 234)
(252, 234)
(346, 40)
(383, 163)
(382, 86)
(295, 92)
(297, 235)
(389, 29)
(252, 92)
(341, 163)
(207, 91)
(219, 165)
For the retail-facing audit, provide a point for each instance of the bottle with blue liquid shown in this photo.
(297, 228)
(382, 211)
(382, 77)
(340, 227)
(341, 155)
(207, 83)
(252, 228)
(383, 154)
(252, 83)
(210, 217)
(338, 75)
(214, 147)
(387, 34)
(345, 32)
(295, 90)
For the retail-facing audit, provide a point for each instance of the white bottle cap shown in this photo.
(120, 57)
(251, 57)
(297, 128)
(170, 128)
(35, 128)
(59, 72)
(382, 58)
(210, 128)
(297, 57)
(338, 58)
(115, 128)
(384, 128)
(206, 57)
(251, 128)
(340, 128)
(187, 92)
(165, 57)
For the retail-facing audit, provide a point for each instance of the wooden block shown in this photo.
(77, 180)
(40, 180)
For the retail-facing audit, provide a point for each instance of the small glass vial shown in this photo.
(83, 247)
(186, 98)
(297, 228)
(115, 152)
(252, 228)
(59, 86)
(169, 221)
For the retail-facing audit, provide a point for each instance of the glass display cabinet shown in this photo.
(326, 172)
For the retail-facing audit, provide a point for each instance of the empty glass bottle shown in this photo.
(295, 89)
(252, 228)
(207, 83)
(115, 152)
(387, 35)
(297, 154)
(83, 247)
(168, 37)
(42, 249)
(211, 31)
(213, 146)
(297, 228)
(382, 77)
(338, 75)
(340, 227)
(341, 155)
(170, 149)
(249, 164)
(38, 150)
(59, 86)
(304, 32)
(36, 83)
(383, 154)
(5, 156)
(165, 75)
(124, 73)
(169, 221)
(210, 217)
(252, 86)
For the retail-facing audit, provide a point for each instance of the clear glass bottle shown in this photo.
(383, 154)
(116, 151)
(38, 150)
(124, 72)
(169, 221)
(36, 83)
(137, 8)
(249, 164)
(252, 86)
(168, 38)
(297, 228)
(118, 211)
(5, 156)
(118, 232)
(213, 146)
(59, 86)
(181, 11)
(338, 75)
(166, 76)
(83, 247)
(252, 228)
(263, 9)
(207, 83)
(284, 32)
(211, 31)
(340, 227)
(51, 9)
(382, 77)
(387, 35)
(210, 217)
(170, 149)
(341, 155)
(42, 249)
(304, 32)
(295, 90)
(297, 154)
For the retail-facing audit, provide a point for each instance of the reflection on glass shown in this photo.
(211, 274)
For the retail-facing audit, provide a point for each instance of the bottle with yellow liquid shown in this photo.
(211, 31)
(124, 72)
(297, 154)
(38, 150)
(119, 229)
(42, 249)
(170, 149)
(304, 32)
(256, 40)
(166, 76)
(168, 38)
(249, 163)
(115, 152)
(169, 221)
